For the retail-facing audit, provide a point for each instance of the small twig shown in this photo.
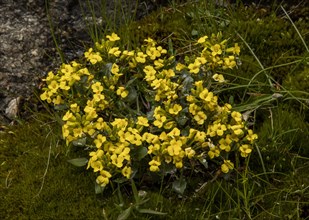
(7, 181)
(45, 173)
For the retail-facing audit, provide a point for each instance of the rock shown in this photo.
(12, 109)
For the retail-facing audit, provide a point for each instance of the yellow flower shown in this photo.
(95, 160)
(200, 117)
(234, 50)
(225, 143)
(216, 50)
(117, 160)
(68, 116)
(113, 37)
(83, 71)
(121, 91)
(213, 152)
(180, 66)
(100, 139)
(53, 86)
(153, 53)
(251, 136)
(103, 179)
(150, 138)
(229, 62)
(115, 70)
(175, 109)
(200, 136)
(150, 41)
(189, 152)
(66, 69)
(64, 86)
(126, 172)
(150, 73)
(158, 63)
(194, 67)
(227, 166)
(99, 123)
(142, 121)
(154, 165)
(65, 131)
(202, 39)
(179, 164)
(161, 50)
(174, 149)
(200, 60)
(159, 121)
(245, 150)
(115, 51)
(77, 132)
(50, 76)
(218, 78)
(190, 98)
(157, 83)
(174, 133)
(140, 57)
(168, 73)
(46, 96)
(97, 87)
(237, 116)
(92, 56)
(120, 123)
(237, 129)
(90, 113)
(98, 97)
(153, 148)
(205, 95)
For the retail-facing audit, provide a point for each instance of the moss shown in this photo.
(66, 192)
(282, 135)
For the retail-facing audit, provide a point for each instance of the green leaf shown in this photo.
(204, 162)
(125, 214)
(79, 142)
(141, 153)
(132, 95)
(79, 162)
(194, 32)
(61, 107)
(131, 81)
(135, 193)
(149, 211)
(187, 83)
(182, 120)
(179, 186)
(98, 189)
(168, 168)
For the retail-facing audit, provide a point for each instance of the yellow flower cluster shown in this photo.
(184, 119)
(213, 56)
(60, 83)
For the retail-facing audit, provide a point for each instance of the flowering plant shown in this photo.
(128, 106)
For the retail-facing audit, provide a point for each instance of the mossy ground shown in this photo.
(37, 182)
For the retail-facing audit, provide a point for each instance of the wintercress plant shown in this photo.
(144, 105)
